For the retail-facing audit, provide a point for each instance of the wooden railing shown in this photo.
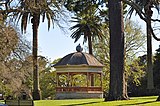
(78, 89)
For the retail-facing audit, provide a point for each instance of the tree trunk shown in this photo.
(117, 89)
(36, 89)
(90, 52)
(90, 44)
(150, 83)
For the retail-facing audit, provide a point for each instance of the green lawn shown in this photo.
(135, 101)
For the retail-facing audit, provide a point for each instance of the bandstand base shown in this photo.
(78, 95)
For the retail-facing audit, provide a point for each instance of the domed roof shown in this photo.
(79, 58)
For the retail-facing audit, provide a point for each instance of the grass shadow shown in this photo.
(81, 104)
(141, 103)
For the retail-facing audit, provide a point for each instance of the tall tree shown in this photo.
(117, 89)
(148, 11)
(33, 9)
(146, 15)
(147, 7)
(37, 8)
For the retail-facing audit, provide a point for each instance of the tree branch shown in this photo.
(153, 34)
(142, 15)
(155, 20)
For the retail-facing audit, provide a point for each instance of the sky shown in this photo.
(56, 43)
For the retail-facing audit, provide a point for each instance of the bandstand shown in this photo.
(78, 75)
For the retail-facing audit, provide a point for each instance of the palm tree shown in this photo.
(146, 5)
(88, 25)
(33, 9)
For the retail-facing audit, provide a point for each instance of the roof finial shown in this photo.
(79, 48)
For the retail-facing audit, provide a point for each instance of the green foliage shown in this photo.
(134, 40)
(79, 6)
(97, 80)
(86, 26)
(135, 72)
(19, 73)
(134, 43)
(156, 69)
(56, 60)
(47, 84)
(63, 80)
(13, 51)
(79, 80)
(137, 81)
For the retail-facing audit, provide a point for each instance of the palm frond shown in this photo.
(24, 21)
(43, 16)
(75, 26)
(88, 24)
(141, 5)
(76, 35)
(130, 12)
(48, 19)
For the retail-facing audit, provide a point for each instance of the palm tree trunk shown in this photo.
(36, 89)
(90, 52)
(117, 87)
(90, 44)
(150, 83)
